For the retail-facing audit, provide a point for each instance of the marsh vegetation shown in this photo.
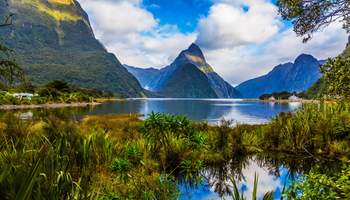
(54, 155)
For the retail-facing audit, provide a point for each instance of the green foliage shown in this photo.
(58, 85)
(308, 16)
(190, 171)
(133, 153)
(318, 90)
(122, 166)
(316, 185)
(337, 76)
(317, 129)
(55, 160)
(174, 141)
(346, 52)
(110, 196)
(161, 129)
(10, 71)
(53, 92)
(119, 157)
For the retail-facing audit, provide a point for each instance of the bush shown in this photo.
(320, 186)
(337, 76)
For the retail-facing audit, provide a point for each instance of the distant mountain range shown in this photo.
(53, 40)
(189, 76)
(290, 77)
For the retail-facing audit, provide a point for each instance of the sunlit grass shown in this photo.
(57, 14)
(64, 2)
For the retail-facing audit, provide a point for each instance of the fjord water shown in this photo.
(210, 110)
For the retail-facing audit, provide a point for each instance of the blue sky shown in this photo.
(241, 39)
(183, 13)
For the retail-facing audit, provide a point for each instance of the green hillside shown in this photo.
(53, 39)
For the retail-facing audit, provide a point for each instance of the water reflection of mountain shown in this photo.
(211, 110)
(194, 109)
(118, 107)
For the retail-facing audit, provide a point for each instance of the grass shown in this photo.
(317, 129)
(57, 14)
(52, 156)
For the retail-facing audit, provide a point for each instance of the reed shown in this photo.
(53, 156)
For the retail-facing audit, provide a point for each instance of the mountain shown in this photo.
(144, 76)
(189, 76)
(290, 77)
(53, 39)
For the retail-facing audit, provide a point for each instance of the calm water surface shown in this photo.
(211, 110)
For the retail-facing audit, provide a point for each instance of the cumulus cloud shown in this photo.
(235, 23)
(238, 64)
(133, 34)
(244, 39)
(241, 39)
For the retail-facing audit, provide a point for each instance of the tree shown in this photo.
(337, 76)
(10, 72)
(309, 16)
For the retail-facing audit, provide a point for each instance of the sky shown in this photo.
(241, 39)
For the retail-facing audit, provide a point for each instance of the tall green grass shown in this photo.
(316, 129)
(54, 156)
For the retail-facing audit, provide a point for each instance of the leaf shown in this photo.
(26, 188)
(255, 186)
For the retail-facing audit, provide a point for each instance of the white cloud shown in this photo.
(111, 21)
(238, 64)
(229, 24)
(241, 39)
(133, 34)
(244, 39)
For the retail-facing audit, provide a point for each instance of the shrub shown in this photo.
(315, 185)
(337, 76)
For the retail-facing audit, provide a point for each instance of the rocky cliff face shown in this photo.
(53, 39)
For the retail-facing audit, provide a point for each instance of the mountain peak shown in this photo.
(195, 50)
(303, 57)
(291, 77)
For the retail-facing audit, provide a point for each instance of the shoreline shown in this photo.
(284, 101)
(47, 105)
